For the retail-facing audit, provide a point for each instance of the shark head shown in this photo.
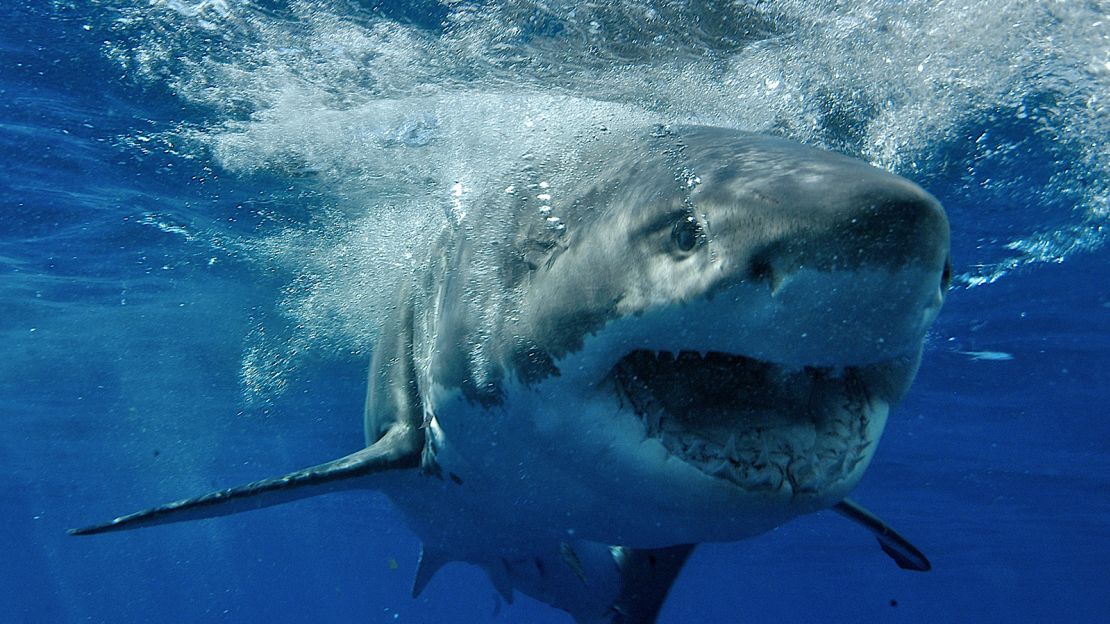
(720, 321)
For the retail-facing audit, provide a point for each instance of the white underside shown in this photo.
(543, 469)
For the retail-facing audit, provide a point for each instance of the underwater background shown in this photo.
(205, 205)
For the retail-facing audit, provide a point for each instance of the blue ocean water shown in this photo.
(203, 202)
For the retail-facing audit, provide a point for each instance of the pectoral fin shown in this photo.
(897, 547)
(399, 448)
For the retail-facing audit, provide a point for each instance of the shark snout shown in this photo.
(892, 228)
(856, 277)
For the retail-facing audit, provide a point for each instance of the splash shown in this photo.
(405, 116)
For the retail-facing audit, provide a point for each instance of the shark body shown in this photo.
(675, 335)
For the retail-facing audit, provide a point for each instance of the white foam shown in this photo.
(389, 116)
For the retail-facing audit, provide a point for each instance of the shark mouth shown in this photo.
(759, 425)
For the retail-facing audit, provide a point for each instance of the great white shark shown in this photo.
(671, 335)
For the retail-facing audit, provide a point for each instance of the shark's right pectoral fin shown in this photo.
(400, 448)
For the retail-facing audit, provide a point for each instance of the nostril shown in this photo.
(946, 275)
(761, 270)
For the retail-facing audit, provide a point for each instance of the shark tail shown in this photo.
(399, 448)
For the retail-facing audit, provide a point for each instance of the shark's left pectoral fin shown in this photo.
(399, 448)
(897, 547)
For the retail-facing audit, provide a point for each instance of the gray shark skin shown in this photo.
(668, 336)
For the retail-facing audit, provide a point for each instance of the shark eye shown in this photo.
(685, 233)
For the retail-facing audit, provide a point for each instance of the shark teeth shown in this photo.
(718, 468)
(729, 449)
(753, 423)
(653, 419)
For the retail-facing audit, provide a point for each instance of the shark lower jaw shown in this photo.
(764, 427)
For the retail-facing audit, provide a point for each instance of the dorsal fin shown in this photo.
(894, 545)
(399, 448)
